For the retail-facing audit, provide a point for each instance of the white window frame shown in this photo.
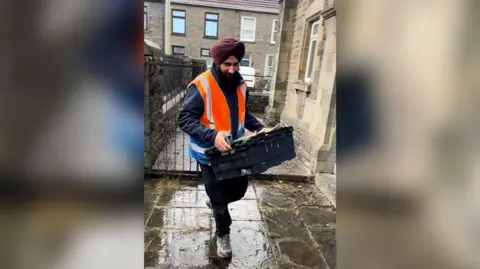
(274, 33)
(145, 17)
(242, 38)
(265, 73)
(311, 55)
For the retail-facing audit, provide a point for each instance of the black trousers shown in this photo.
(221, 193)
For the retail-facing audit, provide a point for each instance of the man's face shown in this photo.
(230, 66)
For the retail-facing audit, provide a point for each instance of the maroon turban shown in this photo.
(225, 48)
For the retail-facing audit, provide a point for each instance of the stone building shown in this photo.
(195, 25)
(154, 21)
(303, 94)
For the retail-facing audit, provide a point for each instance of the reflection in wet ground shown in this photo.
(276, 225)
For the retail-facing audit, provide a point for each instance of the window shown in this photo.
(269, 66)
(205, 52)
(275, 26)
(178, 22)
(145, 17)
(211, 25)
(247, 30)
(311, 50)
(178, 50)
(246, 61)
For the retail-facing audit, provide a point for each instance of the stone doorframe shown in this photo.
(327, 155)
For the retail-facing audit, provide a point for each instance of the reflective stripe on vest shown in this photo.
(243, 87)
(197, 148)
(209, 89)
(206, 86)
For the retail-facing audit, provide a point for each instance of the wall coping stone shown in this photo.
(303, 86)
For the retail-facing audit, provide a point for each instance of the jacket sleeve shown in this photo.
(189, 119)
(251, 123)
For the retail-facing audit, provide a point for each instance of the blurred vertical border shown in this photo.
(407, 134)
(71, 134)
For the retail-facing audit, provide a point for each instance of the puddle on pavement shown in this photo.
(270, 224)
(179, 231)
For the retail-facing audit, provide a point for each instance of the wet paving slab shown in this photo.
(270, 224)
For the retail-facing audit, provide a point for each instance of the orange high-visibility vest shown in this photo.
(216, 114)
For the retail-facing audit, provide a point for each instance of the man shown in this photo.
(215, 107)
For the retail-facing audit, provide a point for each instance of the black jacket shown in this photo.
(189, 120)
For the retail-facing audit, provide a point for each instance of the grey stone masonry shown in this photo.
(266, 6)
(155, 21)
(229, 25)
(257, 101)
(281, 70)
(303, 94)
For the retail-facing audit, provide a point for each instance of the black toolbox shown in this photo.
(253, 155)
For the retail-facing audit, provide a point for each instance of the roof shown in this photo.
(267, 6)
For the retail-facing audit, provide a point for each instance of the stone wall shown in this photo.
(281, 70)
(166, 81)
(298, 43)
(257, 102)
(307, 105)
(155, 21)
(325, 83)
(228, 26)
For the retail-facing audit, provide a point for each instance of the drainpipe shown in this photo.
(167, 28)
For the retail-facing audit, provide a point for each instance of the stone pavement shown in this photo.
(276, 225)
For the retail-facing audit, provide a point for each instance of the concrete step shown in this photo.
(327, 183)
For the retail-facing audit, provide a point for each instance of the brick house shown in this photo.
(154, 21)
(195, 25)
(303, 91)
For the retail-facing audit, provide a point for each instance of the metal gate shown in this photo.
(166, 146)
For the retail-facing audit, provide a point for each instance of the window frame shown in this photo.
(145, 17)
(266, 62)
(242, 38)
(273, 37)
(311, 39)
(173, 50)
(179, 17)
(205, 20)
(209, 52)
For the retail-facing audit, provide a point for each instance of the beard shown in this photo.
(228, 75)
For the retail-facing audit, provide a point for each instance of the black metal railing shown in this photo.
(166, 80)
(261, 83)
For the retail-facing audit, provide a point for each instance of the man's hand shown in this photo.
(264, 130)
(220, 142)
